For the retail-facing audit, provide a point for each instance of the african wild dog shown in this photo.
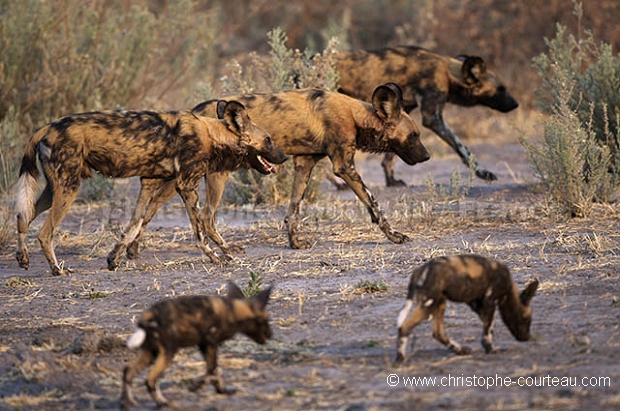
(477, 281)
(429, 80)
(203, 321)
(312, 124)
(179, 147)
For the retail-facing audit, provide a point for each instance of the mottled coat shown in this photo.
(179, 147)
(188, 321)
(428, 80)
(482, 283)
(312, 124)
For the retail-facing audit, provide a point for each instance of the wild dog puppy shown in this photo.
(312, 124)
(180, 147)
(203, 321)
(429, 80)
(481, 283)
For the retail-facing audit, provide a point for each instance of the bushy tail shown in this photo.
(27, 182)
(137, 338)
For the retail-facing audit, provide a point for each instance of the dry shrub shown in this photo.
(579, 158)
(65, 56)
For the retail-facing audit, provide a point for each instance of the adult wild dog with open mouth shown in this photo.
(179, 147)
(481, 283)
(312, 124)
(429, 80)
(187, 321)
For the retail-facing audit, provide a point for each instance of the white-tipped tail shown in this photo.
(26, 195)
(136, 339)
(402, 316)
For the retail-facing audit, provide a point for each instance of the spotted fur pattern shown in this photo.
(187, 321)
(479, 282)
(312, 124)
(428, 80)
(159, 147)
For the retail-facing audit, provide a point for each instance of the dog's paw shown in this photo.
(398, 361)
(297, 244)
(464, 351)
(23, 259)
(61, 270)
(395, 183)
(485, 175)
(233, 249)
(226, 391)
(133, 251)
(396, 237)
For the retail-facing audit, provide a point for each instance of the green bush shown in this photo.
(579, 159)
(571, 162)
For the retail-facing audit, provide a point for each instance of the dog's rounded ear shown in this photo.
(473, 67)
(234, 115)
(528, 293)
(387, 100)
(259, 302)
(234, 292)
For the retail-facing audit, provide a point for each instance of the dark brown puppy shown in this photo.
(203, 321)
(429, 80)
(481, 283)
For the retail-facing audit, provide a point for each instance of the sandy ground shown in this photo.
(62, 338)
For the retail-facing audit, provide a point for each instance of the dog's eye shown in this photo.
(268, 140)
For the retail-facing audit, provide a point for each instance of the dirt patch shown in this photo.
(62, 338)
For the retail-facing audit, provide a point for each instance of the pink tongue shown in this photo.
(270, 167)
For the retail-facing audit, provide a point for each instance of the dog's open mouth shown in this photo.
(270, 168)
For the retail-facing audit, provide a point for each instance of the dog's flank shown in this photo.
(312, 124)
(202, 321)
(158, 146)
(481, 283)
(429, 80)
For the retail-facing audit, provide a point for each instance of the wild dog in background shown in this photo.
(312, 124)
(187, 321)
(180, 147)
(481, 283)
(429, 80)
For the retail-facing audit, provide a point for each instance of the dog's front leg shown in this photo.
(214, 373)
(188, 193)
(346, 170)
(432, 118)
(215, 183)
(303, 170)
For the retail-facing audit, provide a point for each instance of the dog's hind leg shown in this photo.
(63, 197)
(406, 324)
(129, 373)
(439, 331)
(303, 170)
(162, 361)
(148, 188)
